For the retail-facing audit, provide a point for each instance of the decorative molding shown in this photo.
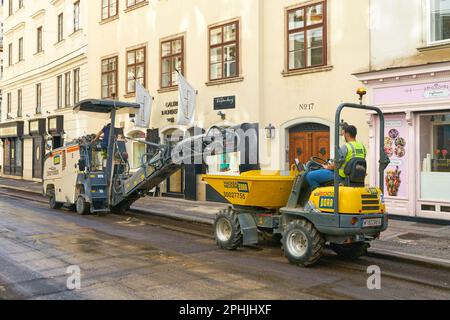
(306, 71)
(110, 19)
(409, 118)
(38, 14)
(224, 81)
(169, 89)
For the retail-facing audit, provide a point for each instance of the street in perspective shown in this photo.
(227, 150)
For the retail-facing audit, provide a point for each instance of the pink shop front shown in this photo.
(416, 105)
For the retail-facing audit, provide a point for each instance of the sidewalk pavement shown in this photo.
(425, 242)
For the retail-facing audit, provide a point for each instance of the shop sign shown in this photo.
(223, 103)
(37, 126)
(437, 91)
(34, 126)
(8, 131)
(396, 146)
(14, 129)
(412, 93)
(56, 124)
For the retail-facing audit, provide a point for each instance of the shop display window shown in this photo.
(435, 157)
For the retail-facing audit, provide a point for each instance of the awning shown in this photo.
(104, 106)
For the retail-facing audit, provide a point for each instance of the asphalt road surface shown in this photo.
(145, 257)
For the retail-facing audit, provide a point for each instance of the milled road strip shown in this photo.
(142, 213)
(139, 261)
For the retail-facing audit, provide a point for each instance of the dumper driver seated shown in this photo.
(104, 135)
(352, 149)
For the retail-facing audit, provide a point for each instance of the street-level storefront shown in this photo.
(56, 132)
(37, 130)
(11, 135)
(416, 104)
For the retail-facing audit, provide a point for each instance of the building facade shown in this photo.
(45, 74)
(281, 64)
(410, 82)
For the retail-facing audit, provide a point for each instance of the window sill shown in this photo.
(110, 19)
(168, 89)
(136, 6)
(75, 33)
(63, 109)
(224, 81)
(39, 53)
(306, 71)
(59, 43)
(130, 95)
(437, 46)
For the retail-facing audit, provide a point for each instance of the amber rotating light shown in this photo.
(361, 92)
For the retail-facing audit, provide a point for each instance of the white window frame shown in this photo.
(428, 27)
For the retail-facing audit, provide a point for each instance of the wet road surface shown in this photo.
(132, 257)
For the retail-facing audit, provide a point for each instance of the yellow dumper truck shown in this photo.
(347, 215)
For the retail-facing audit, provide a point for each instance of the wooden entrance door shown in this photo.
(304, 145)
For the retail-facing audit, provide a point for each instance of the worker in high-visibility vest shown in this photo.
(352, 149)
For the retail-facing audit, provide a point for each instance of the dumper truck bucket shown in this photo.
(256, 188)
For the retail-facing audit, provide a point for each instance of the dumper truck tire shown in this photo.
(227, 230)
(351, 251)
(82, 206)
(52, 200)
(302, 243)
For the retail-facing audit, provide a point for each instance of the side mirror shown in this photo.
(82, 165)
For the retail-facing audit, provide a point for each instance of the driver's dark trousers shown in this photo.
(319, 177)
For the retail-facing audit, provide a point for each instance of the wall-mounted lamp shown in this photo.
(222, 115)
(270, 131)
(48, 112)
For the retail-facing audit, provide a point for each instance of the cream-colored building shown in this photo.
(281, 63)
(409, 79)
(45, 74)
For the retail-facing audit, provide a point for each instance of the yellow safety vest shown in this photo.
(355, 149)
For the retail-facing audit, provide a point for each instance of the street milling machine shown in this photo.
(346, 215)
(77, 176)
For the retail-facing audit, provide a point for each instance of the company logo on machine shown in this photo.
(239, 186)
(326, 202)
(243, 187)
(56, 160)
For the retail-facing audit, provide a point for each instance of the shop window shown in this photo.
(428, 207)
(306, 36)
(439, 20)
(434, 154)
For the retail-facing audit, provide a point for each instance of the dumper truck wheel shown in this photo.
(227, 230)
(52, 200)
(302, 243)
(83, 207)
(351, 251)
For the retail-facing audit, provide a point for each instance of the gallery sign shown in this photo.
(223, 103)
